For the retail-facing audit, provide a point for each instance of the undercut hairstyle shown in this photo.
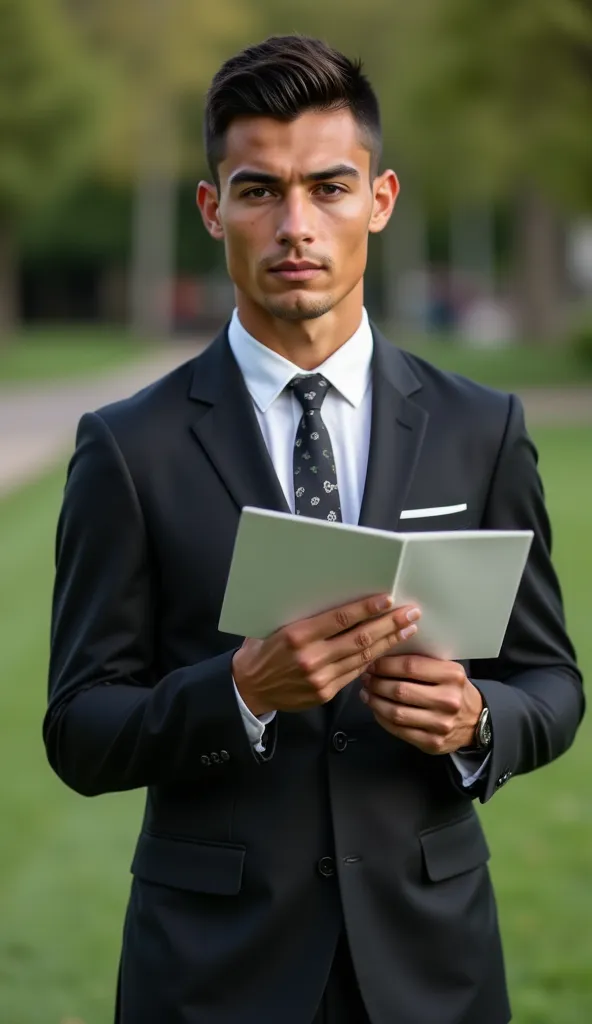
(283, 77)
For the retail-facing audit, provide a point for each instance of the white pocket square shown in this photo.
(440, 510)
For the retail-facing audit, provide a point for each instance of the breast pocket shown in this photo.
(436, 518)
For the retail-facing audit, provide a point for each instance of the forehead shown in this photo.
(313, 141)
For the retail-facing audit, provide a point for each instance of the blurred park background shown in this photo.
(107, 279)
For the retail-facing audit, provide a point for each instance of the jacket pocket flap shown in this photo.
(454, 848)
(198, 866)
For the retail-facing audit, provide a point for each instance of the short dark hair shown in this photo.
(283, 77)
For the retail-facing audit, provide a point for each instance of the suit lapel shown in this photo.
(226, 427)
(396, 435)
(397, 430)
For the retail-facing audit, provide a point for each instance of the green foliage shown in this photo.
(47, 104)
(64, 860)
(502, 94)
(581, 346)
(158, 59)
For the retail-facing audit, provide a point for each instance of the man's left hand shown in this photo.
(426, 702)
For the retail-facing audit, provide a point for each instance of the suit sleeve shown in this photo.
(534, 688)
(111, 723)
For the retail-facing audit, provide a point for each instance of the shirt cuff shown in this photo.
(469, 768)
(254, 726)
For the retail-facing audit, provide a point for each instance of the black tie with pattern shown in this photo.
(315, 481)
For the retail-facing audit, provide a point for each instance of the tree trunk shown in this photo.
(153, 255)
(9, 299)
(538, 262)
(154, 216)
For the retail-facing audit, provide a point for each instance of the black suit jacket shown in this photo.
(246, 865)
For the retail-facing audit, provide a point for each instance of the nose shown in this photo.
(295, 224)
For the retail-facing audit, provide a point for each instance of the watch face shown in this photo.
(485, 735)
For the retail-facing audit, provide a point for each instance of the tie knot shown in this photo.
(310, 390)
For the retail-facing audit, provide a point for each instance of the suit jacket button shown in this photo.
(339, 741)
(225, 755)
(326, 867)
(205, 759)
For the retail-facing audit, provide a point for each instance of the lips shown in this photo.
(291, 266)
(296, 271)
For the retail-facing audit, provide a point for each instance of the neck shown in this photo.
(306, 343)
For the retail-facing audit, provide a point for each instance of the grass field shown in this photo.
(60, 353)
(511, 368)
(64, 860)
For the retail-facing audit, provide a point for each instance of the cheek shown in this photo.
(240, 246)
(350, 230)
(353, 247)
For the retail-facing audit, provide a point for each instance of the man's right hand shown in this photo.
(306, 663)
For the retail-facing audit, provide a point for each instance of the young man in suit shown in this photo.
(309, 851)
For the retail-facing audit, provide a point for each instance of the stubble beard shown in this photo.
(311, 309)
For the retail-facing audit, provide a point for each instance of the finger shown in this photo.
(337, 620)
(419, 667)
(405, 717)
(369, 640)
(403, 691)
(324, 661)
(334, 683)
(356, 649)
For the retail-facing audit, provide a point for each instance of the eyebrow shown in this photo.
(249, 176)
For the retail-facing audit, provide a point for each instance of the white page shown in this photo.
(465, 583)
(288, 567)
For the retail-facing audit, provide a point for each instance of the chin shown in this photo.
(301, 307)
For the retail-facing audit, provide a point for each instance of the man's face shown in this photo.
(294, 209)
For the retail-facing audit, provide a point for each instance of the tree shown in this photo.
(159, 56)
(47, 107)
(504, 97)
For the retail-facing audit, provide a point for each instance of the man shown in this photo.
(310, 851)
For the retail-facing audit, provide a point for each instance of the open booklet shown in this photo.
(287, 567)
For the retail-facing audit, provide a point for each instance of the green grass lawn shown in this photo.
(64, 860)
(60, 353)
(511, 368)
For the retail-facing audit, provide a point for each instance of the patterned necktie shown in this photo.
(315, 481)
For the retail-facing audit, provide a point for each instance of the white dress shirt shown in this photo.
(346, 413)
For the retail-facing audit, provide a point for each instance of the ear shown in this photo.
(209, 207)
(386, 190)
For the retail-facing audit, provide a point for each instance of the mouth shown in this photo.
(290, 270)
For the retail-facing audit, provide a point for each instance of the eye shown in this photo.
(257, 193)
(330, 190)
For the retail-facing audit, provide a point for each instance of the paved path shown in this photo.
(37, 424)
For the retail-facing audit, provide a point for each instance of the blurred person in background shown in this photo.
(310, 851)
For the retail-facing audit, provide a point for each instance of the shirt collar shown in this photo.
(267, 373)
